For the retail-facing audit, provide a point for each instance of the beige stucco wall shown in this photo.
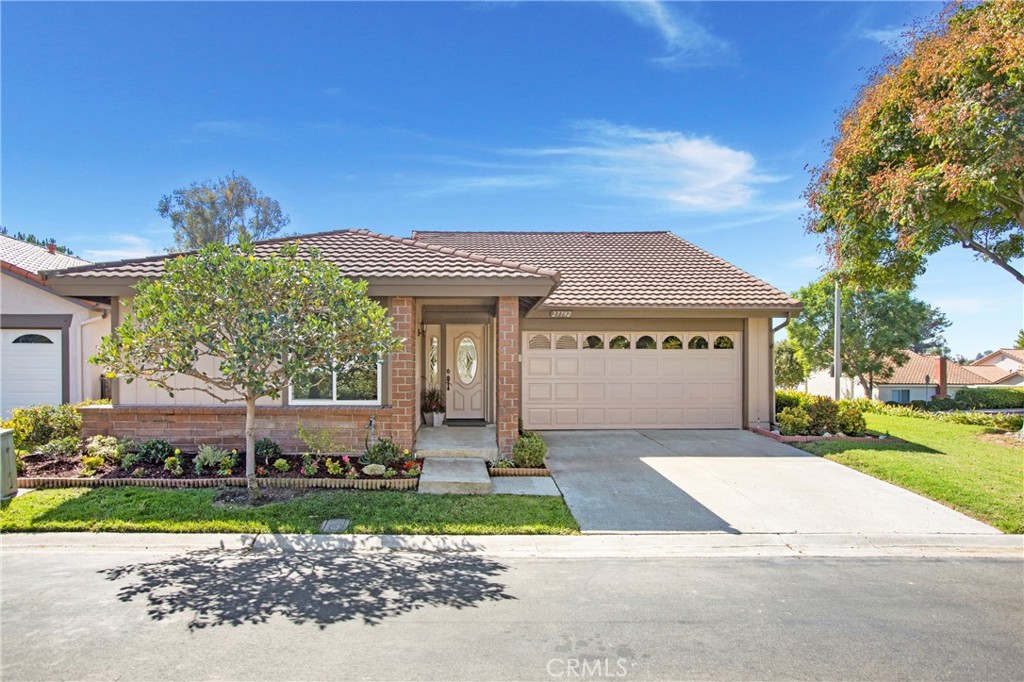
(18, 297)
(758, 372)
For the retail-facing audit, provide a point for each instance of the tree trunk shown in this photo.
(250, 448)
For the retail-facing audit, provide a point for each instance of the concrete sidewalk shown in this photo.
(544, 546)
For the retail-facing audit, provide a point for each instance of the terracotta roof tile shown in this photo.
(919, 367)
(358, 253)
(625, 269)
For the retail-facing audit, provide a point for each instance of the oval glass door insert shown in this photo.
(466, 360)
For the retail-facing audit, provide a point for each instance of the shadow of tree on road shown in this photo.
(231, 588)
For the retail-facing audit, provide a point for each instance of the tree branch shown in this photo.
(972, 244)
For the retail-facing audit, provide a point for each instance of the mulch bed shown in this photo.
(811, 439)
(42, 466)
(518, 471)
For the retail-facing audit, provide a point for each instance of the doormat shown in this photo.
(465, 422)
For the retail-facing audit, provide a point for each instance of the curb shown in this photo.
(703, 545)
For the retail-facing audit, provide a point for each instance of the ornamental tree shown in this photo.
(789, 370)
(245, 327)
(931, 153)
(878, 327)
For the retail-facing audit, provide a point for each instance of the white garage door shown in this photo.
(31, 371)
(602, 380)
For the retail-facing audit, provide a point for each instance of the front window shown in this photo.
(346, 387)
(901, 395)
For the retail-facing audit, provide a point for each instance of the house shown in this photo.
(924, 377)
(564, 330)
(45, 336)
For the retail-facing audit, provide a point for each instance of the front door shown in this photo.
(464, 371)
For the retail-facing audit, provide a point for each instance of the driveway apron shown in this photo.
(730, 481)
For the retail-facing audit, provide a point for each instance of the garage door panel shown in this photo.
(32, 371)
(568, 386)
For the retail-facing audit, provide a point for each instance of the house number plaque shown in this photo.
(561, 313)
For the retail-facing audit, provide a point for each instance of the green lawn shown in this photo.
(192, 511)
(950, 463)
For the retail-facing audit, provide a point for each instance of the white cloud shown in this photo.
(687, 43)
(686, 172)
(891, 36)
(469, 184)
(127, 246)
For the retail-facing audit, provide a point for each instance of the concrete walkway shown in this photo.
(729, 482)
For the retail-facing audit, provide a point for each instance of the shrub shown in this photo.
(281, 464)
(794, 421)
(38, 425)
(334, 467)
(227, 463)
(385, 451)
(918, 404)
(318, 441)
(309, 467)
(389, 473)
(91, 464)
(851, 421)
(374, 469)
(784, 399)
(529, 450)
(940, 404)
(824, 414)
(210, 458)
(138, 472)
(110, 448)
(990, 398)
(173, 465)
(266, 449)
(130, 459)
(69, 446)
(155, 451)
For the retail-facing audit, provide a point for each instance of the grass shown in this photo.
(950, 463)
(193, 511)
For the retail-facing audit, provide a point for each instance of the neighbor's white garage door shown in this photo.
(602, 380)
(31, 371)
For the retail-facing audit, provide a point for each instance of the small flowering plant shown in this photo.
(309, 467)
(352, 472)
(261, 471)
(137, 472)
(411, 469)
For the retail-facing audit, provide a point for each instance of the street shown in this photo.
(165, 614)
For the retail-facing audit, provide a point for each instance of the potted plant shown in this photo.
(433, 407)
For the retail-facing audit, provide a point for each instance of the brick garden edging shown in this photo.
(811, 439)
(351, 483)
(520, 471)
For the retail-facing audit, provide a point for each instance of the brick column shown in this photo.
(403, 373)
(508, 373)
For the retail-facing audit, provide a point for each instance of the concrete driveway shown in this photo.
(730, 482)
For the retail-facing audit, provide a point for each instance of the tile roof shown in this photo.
(918, 367)
(34, 258)
(357, 253)
(625, 269)
(1015, 353)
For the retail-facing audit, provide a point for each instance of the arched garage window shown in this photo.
(698, 343)
(724, 343)
(646, 343)
(32, 338)
(593, 342)
(672, 343)
(619, 343)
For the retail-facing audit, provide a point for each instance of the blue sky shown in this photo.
(697, 118)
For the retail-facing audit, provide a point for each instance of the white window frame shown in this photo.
(896, 393)
(292, 400)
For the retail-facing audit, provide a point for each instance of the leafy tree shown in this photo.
(789, 371)
(247, 327)
(38, 241)
(228, 210)
(933, 342)
(878, 327)
(929, 153)
(1019, 343)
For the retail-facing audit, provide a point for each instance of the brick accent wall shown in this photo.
(189, 426)
(508, 373)
(402, 396)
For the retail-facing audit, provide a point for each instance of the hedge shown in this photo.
(990, 398)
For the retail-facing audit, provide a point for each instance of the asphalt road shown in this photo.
(148, 615)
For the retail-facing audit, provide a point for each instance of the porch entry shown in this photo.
(465, 371)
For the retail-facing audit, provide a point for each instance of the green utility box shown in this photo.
(8, 466)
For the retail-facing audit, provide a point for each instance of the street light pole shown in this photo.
(837, 363)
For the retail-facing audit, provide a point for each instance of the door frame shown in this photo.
(488, 360)
(61, 322)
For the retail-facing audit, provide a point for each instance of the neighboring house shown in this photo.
(45, 337)
(565, 330)
(921, 378)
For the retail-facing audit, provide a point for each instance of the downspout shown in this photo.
(771, 363)
(81, 360)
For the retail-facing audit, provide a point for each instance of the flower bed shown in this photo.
(518, 471)
(353, 483)
(807, 439)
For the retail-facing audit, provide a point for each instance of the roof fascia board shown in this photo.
(650, 312)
